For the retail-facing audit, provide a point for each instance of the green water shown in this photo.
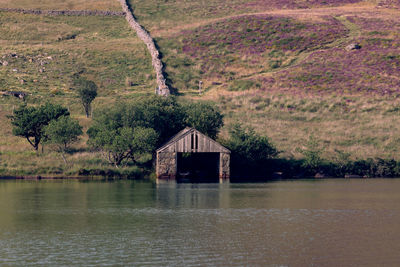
(288, 223)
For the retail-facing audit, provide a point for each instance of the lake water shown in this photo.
(285, 223)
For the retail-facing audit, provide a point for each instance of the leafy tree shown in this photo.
(205, 117)
(167, 117)
(29, 122)
(87, 91)
(131, 130)
(251, 153)
(123, 143)
(143, 142)
(121, 138)
(248, 146)
(62, 132)
(164, 115)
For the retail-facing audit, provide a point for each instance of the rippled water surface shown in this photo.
(290, 223)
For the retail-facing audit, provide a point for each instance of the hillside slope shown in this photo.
(279, 66)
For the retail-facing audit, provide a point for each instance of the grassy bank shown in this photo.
(359, 126)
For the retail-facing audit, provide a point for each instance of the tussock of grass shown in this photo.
(62, 4)
(339, 122)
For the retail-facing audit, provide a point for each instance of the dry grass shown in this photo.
(102, 48)
(62, 4)
(365, 128)
(307, 15)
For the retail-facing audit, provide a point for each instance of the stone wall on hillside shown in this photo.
(162, 88)
(64, 12)
(148, 40)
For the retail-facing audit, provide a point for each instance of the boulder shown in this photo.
(18, 94)
(353, 46)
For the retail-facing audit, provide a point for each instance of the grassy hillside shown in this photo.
(40, 55)
(279, 66)
(47, 51)
(287, 73)
(61, 5)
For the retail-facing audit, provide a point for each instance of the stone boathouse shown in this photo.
(194, 156)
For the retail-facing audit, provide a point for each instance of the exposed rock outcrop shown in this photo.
(148, 40)
(353, 46)
(18, 94)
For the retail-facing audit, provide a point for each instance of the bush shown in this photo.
(242, 85)
(61, 133)
(312, 155)
(251, 153)
(374, 168)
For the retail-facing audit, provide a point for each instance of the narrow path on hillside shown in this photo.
(312, 14)
(354, 32)
(149, 42)
(317, 14)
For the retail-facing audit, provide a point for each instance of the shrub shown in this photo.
(250, 151)
(61, 133)
(312, 154)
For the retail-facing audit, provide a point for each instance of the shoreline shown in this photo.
(114, 178)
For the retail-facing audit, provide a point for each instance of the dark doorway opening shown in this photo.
(198, 167)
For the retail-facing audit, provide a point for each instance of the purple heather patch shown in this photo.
(375, 24)
(373, 69)
(390, 3)
(251, 41)
(253, 35)
(294, 4)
